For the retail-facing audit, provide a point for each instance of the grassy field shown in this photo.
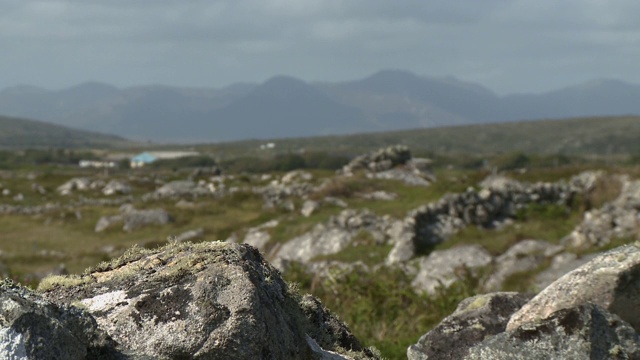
(380, 306)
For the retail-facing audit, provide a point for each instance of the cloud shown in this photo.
(505, 43)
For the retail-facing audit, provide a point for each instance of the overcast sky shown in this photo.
(506, 45)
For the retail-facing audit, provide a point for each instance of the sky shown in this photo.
(509, 46)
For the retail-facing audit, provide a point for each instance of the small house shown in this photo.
(142, 159)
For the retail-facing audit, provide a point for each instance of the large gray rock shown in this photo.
(475, 319)
(212, 300)
(32, 328)
(444, 267)
(583, 332)
(611, 280)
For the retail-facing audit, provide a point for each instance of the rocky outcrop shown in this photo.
(280, 193)
(475, 319)
(611, 280)
(582, 332)
(34, 328)
(500, 201)
(379, 160)
(211, 300)
(394, 163)
(590, 313)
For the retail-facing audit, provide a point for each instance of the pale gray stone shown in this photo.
(611, 280)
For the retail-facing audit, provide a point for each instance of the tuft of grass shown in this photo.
(381, 308)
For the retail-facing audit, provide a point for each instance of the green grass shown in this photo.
(381, 308)
(550, 223)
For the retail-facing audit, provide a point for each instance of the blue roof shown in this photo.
(144, 157)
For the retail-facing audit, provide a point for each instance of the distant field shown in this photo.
(597, 136)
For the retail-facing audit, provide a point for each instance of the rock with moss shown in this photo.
(211, 300)
(611, 280)
(586, 331)
(34, 328)
(475, 319)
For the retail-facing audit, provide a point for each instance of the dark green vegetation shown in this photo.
(22, 133)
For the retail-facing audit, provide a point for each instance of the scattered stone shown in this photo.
(80, 184)
(444, 267)
(611, 280)
(379, 160)
(583, 332)
(379, 195)
(133, 219)
(258, 236)
(335, 201)
(114, 187)
(309, 207)
(190, 235)
(18, 197)
(475, 319)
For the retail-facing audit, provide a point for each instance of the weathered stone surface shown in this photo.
(210, 300)
(442, 267)
(114, 187)
(582, 332)
(379, 195)
(309, 207)
(611, 280)
(475, 319)
(560, 265)
(259, 236)
(379, 160)
(618, 218)
(497, 203)
(133, 219)
(32, 328)
(74, 184)
(525, 256)
(189, 235)
(331, 237)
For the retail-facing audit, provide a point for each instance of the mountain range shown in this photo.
(284, 106)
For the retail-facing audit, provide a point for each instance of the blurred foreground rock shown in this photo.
(590, 313)
(211, 300)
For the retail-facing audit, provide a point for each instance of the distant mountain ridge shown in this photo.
(284, 106)
(23, 133)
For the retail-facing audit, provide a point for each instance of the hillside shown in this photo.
(596, 136)
(283, 106)
(22, 133)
